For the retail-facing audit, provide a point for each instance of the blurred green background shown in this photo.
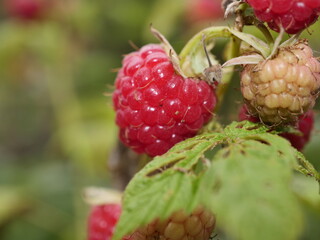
(56, 124)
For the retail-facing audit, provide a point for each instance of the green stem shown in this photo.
(250, 20)
(194, 43)
(233, 51)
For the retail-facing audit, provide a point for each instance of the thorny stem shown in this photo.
(233, 51)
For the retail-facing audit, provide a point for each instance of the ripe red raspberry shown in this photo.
(245, 115)
(293, 15)
(155, 106)
(203, 10)
(26, 9)
(102, 221)
(304, 125)
(180, 226)
(281, 89)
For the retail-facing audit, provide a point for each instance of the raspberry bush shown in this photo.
(167, 105)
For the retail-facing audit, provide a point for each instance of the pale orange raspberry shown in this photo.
(180, 226)
(281, 89)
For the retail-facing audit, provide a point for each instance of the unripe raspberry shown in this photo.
(304, 125)
(292, 15)
(285, 87)
(155, 106)
(180, 226)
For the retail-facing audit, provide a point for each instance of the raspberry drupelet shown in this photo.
(155, 106)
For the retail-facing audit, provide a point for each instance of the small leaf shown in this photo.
(193, 59)
(305, 167)
(169, 50)
(255, 42)
(247, 59)
(307, 191)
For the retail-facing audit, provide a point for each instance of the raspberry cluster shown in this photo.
(180, 226)
(155, 106)
(281, 89)
(292, 15)
(304, 125)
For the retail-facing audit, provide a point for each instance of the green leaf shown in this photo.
(167, 184)
(248, 187)
(255, 42)
(193, 50)
(193, 60)
(307, 191)
(247, 184)
(305, 167)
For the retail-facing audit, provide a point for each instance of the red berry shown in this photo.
(245, 115)
(102, 221)
(155, 106)
(304, 125)
(26, 9)
(293, 15)
(203, 10)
